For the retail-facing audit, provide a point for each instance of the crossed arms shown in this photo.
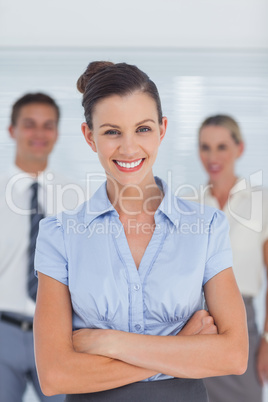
(95, 360)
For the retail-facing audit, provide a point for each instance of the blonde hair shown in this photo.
(224, 121)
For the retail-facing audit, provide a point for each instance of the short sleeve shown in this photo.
(50, 254)
(219, 253)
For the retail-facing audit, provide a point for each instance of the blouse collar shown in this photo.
(99, 204)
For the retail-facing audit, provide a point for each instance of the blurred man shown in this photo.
(27, 195)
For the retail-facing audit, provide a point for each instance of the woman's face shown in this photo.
(126, 135)
(218, 152)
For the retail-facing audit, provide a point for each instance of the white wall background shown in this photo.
(154, 23)
(186, 24)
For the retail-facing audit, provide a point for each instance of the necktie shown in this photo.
(35, 218)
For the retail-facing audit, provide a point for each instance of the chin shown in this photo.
(215, 174)
(126, 179)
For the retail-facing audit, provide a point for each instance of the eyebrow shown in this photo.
(138, 124)
(204, 142)
(27, 119)
(30, 120)
(201, 144)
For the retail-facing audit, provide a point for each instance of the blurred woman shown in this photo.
(220, 145)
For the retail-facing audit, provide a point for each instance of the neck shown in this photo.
(135, 199)
(221, 189)
(32, 167)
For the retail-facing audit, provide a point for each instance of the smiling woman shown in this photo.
(220, 145)
(130, 147)
(119, 312)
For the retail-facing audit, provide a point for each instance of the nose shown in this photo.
(128, 145)
(213, 156)
(39, 132)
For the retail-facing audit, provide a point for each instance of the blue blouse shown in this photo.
(87, 250)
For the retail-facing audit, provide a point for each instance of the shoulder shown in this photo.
(64, 218)
(195, 210)
(83, 214)
(56, 231)
(8, 189)
(6, 177)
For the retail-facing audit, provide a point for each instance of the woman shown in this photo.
(220, 145)
(121, 274)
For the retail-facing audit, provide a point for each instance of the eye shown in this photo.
(143, 129)
(28, 125)
(222, 147)
(111, 132)
(204, 147)
(49, 127)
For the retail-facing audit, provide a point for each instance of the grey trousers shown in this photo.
(17, 365)
(173, 390)
(244, 388)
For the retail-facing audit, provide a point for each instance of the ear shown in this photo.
(241, 148)
(11, 131)
(163, 128)
(88, 134)
(57, 134)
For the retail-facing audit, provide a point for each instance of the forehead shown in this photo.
(40, 112)
(215, 134)
(132, 107)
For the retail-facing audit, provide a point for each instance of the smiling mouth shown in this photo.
(129, 166)
(214, 168)
(38, 143)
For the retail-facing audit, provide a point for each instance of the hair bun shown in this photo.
(93, 68)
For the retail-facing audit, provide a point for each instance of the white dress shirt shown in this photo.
(55, 194)
(247, 213)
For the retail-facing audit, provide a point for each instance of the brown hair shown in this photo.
(224, 121)
(103, 79)
(29, 99)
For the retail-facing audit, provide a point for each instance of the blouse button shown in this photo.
(136, 287)
(138, 327)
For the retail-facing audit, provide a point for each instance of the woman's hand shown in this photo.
(101, 341)
(201, 323)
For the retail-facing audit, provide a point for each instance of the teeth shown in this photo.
(129, 165)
